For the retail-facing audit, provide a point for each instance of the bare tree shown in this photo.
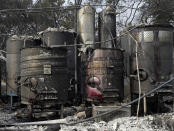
(158, 11)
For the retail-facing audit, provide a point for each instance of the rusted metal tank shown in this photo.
(107, 27)
(104, 75)
(13, 45)
(54, 37)
(86, 25)
(155, 52)
(44, 75)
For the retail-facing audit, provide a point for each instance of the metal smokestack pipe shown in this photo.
(107, 27)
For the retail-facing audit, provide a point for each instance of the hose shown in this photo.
(141, 97)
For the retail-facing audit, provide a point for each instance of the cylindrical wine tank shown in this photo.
(155, 52)
(104, 75)
(43, 75)
(54, 37)
(86, 25)
(14, 44)
(155, 61)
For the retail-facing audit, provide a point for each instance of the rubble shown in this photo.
(147, 123)
(157, 122)
(81, 115)
(6, 116)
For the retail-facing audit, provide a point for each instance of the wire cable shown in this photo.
(71, 7)
(103, 114)
(100, 115)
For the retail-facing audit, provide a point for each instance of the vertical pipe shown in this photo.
(61, 112)
(173, 96)
(99, 29)
(75, 47)
(11, 101)
(145, 105)
(0, 78)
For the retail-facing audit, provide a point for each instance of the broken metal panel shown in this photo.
(107, 27)
(86, 25)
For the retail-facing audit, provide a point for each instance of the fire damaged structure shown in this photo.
(104, 75)
(107, 28)
(155, 59)
(44, 78)
(60, 70)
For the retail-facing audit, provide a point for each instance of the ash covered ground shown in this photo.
(147, 123)
(161, 122)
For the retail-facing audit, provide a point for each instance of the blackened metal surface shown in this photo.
(155, 55)
(162, 103)
(105, 74)
(31, 41)
(46, 69)
(13, 45)
(86, 25)
(70, 54)
(53, 37)
(107, 27)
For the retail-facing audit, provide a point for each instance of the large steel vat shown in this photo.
(46, 69)
(155, 52)
(104, 75)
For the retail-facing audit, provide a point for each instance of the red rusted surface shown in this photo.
(93, 92)
(104, 74)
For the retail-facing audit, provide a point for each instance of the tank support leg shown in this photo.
(61, 111)
(11, 94)
(11, 101)
(145, 106)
